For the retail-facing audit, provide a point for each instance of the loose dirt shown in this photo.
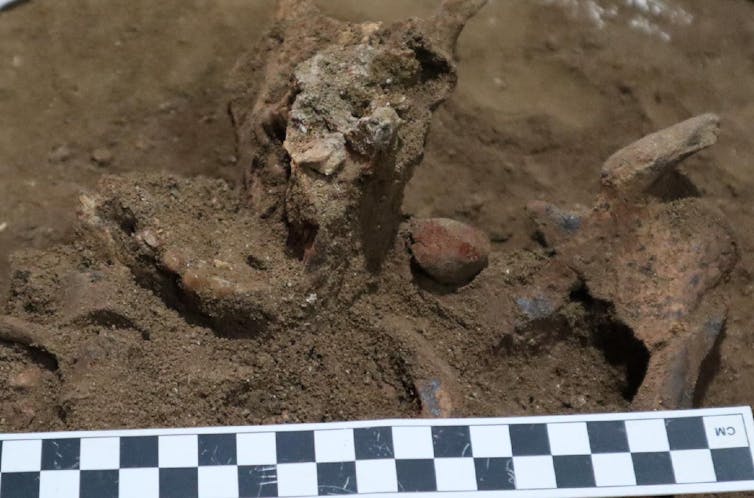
(546, 93)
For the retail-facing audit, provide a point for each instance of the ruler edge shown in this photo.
(744, 411)
(605, 491)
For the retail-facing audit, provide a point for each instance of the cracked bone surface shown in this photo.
(332, 130)
(657, 263)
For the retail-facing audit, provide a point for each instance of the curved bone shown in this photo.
(23, 332)
(633, 169)
(450, 19)
(434, 379)
(655, 263)
(674, 371)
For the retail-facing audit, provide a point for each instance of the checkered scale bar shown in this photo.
(658, 453)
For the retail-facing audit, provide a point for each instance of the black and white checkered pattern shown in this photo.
(607, 455)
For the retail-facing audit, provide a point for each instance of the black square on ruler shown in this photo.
(686, 433)
(373, 442)
(60, 454)
(653, 468)
(733, 464)
(295, 446)
(608, 436)
(416, 475)
(1, 453)
(451, 441)
(574, 471)
(217, 449)
(138, 452)
(494, 474)
(19, 485)
(98, 484)
(256, 481)
(179, 483)
(529, 439)
(336, 478)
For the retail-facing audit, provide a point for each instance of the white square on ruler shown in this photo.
(297, 479)
(455, 474)
(569, 439)
(58, 483)
(647, 435)
(489, 441)
(178, 451)
(613, 469)
(725, 431)
(413, 442)
(693, 466)
(139, 483)
(218, 481)
(334, 446)
(256, 448)
(100, 453)
(376, 476)
(534, 472)
(22, 456)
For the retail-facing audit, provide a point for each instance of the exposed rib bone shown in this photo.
(633, 169)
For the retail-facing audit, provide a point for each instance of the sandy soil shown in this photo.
(546, 93)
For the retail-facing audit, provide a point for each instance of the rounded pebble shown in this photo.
(449, 251)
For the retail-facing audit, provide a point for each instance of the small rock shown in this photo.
(218, 263)
(149, 238)
(60, 154)
(102, 156)
(434, 398)
(449, 251)
(376, 132)
(264, 361)
(324, 154)
(28, 378)
(536, 307)
(578, 401)
(23, 413)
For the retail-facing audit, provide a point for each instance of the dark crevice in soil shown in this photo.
(408, 395)
(256, 263)
(301, 239)
(126, 219)
(40, 357)
(110, 319)
(432, 66)
(673, 186)
(615, 339)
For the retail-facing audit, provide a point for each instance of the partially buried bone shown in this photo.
(332, 129)
(331, 119)
(657, 263)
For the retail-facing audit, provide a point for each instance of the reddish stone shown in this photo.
(449, 251)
